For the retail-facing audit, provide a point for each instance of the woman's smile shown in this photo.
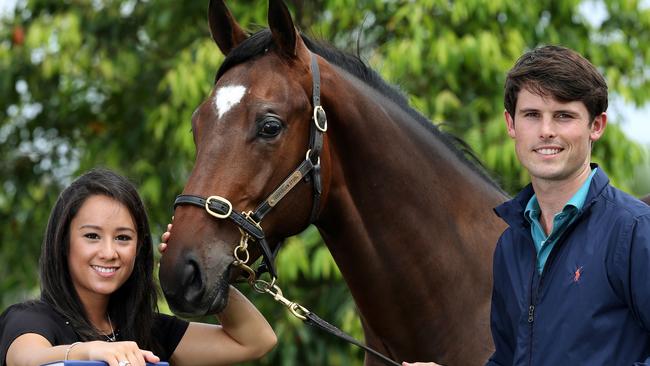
(105, 271)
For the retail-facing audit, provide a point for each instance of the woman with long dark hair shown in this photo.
(98, 298)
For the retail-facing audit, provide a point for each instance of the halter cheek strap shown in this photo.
(309, 169)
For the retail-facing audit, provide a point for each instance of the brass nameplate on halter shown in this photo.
(284, 188)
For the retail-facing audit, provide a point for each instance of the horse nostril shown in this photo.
(192, 281)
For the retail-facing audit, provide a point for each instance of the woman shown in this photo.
(98, 298)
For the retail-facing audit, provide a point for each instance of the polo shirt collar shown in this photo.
(575, 203)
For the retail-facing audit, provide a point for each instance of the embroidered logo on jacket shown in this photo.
(577, 274)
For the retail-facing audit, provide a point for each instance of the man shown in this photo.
(572, 270)
(571, 278)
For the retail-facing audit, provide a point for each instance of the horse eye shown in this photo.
(270, 127)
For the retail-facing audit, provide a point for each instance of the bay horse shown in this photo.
(406, 215)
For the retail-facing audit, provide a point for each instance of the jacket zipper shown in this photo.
(534, 293)
(531, 310)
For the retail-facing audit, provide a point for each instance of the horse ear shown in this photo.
(225, 30)
(282, 28)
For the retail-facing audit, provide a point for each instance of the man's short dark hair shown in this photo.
(558, 72)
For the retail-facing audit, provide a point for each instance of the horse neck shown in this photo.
(400, 199)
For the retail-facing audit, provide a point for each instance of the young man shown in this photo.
(572, 270)
(571, 273)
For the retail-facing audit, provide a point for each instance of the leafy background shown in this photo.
(114, 82)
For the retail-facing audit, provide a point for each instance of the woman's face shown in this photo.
(103, 247)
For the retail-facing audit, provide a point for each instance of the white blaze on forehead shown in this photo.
(227, 97)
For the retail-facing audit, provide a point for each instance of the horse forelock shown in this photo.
(258, 44)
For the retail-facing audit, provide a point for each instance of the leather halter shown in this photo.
(249, 222)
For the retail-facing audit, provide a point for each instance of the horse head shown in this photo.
(253, 156)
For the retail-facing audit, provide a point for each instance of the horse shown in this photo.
(404, 211)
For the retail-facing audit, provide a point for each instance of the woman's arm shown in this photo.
(33, 349)
(243, 335)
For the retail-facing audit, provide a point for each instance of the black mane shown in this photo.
(260, 42)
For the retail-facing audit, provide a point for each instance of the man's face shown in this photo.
(553, 139)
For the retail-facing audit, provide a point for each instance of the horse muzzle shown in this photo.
(192, 288)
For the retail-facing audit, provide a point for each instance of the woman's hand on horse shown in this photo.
(114, 353)
(164, 237)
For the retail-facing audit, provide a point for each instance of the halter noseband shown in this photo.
(249, 222)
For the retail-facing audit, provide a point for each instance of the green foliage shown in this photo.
(114, 83)
(641, 182)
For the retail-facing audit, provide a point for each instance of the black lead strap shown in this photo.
(317, 322)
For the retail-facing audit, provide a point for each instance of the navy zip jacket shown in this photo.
(591, 304)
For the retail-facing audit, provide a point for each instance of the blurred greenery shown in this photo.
(114, 82)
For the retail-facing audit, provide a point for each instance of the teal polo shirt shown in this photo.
(544, 244)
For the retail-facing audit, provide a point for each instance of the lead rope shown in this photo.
(271, 288)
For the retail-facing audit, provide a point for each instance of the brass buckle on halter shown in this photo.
(216, 214)
(320, 118)
(249, 217)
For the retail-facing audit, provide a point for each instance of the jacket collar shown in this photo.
(512, 211)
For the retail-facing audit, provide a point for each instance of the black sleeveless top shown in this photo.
(40, 318)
